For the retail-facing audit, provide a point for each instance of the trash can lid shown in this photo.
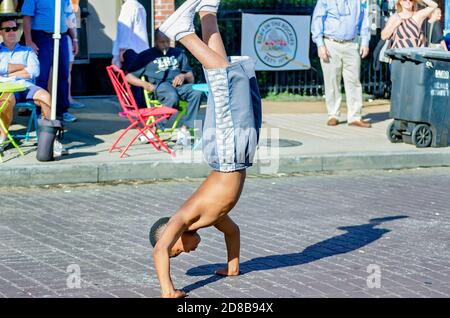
(419, 54)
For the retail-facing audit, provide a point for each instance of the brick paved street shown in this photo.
(302, 236)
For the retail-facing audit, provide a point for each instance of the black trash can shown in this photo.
(49, 131)
(420, 98)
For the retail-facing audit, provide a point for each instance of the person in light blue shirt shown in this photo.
(19, 62)
(38, 29)
(335, 27)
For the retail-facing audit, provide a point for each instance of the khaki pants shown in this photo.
(7, 113)
(345, 61)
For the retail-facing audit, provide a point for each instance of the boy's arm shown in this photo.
(173, 231)
(233, 242)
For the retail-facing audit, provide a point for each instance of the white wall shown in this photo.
(102, 25)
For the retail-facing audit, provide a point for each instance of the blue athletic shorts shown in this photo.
(27, 94)
(233, 116)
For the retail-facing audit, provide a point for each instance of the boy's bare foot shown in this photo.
(174, 294)
(226, 272)
(181, 22)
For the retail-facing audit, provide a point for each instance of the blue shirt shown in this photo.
(19, 55)
(341, 20)
(43, 13)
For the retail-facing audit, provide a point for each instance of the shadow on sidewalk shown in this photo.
(356, 237)
(377, 117)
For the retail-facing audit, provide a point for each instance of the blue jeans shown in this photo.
(44, 42)
(171, 96)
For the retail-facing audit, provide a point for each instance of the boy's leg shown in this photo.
(233, 241)
(210, 33)
(203, 53)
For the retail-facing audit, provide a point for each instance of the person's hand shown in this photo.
(149, 87)
(178, 80)
(364, 51)
(174, 294)
(33, 46)
(121, 52)
(324, 54)
(75, 47)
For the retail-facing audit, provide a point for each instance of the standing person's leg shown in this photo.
(193, 99)
(73, 103)
(353, 88)
(332, 76)
(63, 80)
(45, 44)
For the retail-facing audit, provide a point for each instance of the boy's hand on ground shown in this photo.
(174, 294)
(226, 272)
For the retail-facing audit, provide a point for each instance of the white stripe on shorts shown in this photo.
(218, 80)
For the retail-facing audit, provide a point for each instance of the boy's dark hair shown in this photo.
(157, 229)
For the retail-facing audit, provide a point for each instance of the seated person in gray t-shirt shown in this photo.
(169, 76)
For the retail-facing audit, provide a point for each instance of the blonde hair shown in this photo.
(399, 7)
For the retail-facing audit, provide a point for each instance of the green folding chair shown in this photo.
(151, 102)
(32, 121)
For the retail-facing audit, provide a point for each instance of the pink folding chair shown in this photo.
(138, 117)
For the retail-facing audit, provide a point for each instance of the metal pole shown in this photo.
(447, 15)
(152, 22)
(56, 38)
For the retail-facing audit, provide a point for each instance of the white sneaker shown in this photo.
(59, 149)
(144, 140)
(4, 142)
(181, 22)
(208, 6)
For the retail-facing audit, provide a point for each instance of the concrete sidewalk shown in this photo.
(295, 139)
